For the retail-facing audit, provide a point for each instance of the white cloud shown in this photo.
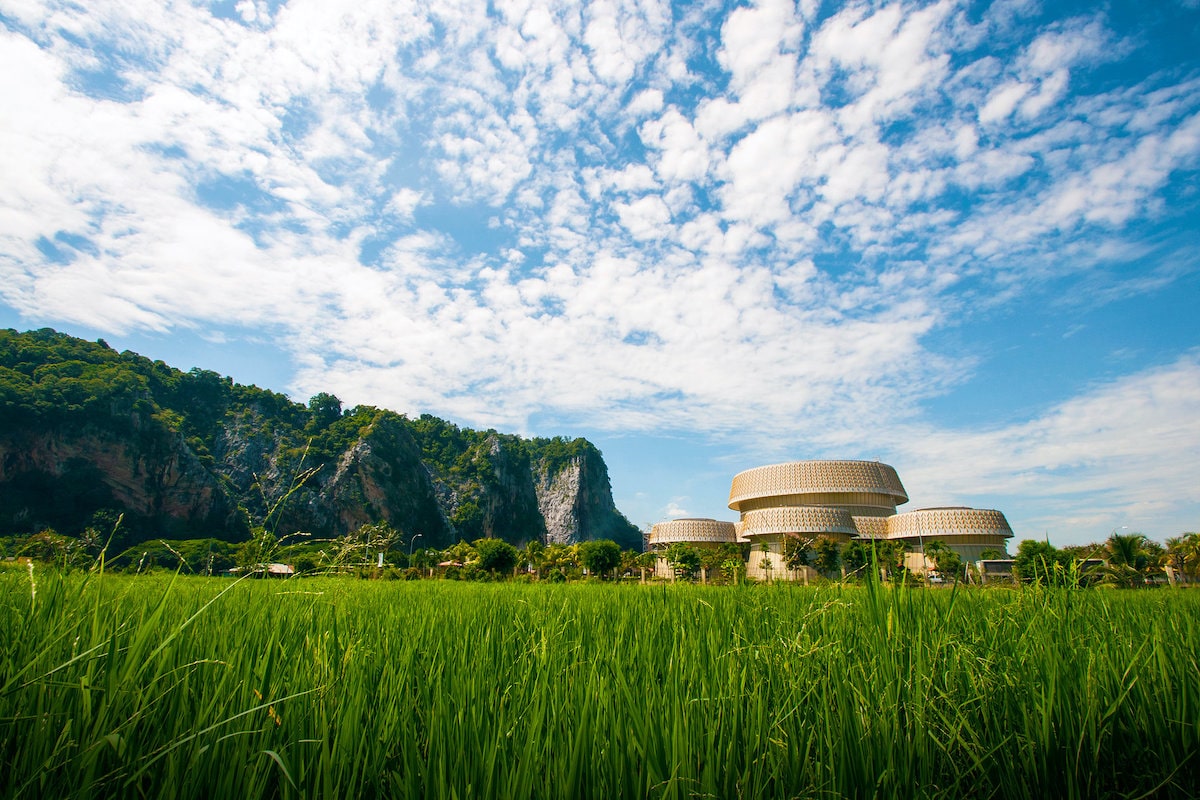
(646, 102)
(683, 156)
(1002, 101)
(754, 39)
(674, 510)
(404, 202)
(888, 56)
(559, 211)
(646, 218)
(1119, 450)
(247, 10)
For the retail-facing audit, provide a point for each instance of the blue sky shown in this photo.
(962, 238)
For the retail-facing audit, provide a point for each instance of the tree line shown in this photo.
(1122, 560)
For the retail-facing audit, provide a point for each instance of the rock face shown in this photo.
(64, 476)
(510, 504)
(87, 434)
(380, 478)
(576, 502)
(556, 495)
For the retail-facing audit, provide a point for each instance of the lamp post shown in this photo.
(411, 542)
(921, 539)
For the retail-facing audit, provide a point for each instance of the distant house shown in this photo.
(273, 570)
(994, 569)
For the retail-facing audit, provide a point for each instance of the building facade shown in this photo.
(704, 534)
(838, 501)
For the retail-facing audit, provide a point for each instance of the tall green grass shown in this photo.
(187, 687)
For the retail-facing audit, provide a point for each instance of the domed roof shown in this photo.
(692, 530)
(817, 477)
(948, 521)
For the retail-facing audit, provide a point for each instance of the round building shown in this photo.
(836, 500)
(831, 501)
(700, 533)
(966, 531)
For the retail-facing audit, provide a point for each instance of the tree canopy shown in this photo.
(495, 555)
(600, 556)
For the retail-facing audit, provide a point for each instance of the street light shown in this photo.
(921, 539)
(411, 542)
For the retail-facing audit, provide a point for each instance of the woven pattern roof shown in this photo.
(872, 527)
(817, 477)
(943, 522)
(692, 530)
(797, 519)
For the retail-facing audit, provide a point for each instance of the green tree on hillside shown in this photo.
(326, 409)
(468, 520)
(557, 452)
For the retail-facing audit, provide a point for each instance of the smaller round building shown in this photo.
(966, 531)
(700, 533)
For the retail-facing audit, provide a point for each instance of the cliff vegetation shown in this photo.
(88, 434)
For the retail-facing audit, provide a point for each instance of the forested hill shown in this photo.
(87, 433)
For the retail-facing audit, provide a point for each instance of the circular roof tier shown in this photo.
(797, 519)
(800, 478)
(948, 522)
(871, 527)
(692, 530)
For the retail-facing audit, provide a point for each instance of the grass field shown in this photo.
(189, 687)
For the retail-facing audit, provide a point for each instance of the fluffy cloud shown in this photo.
(620, 212)
(1116, 450)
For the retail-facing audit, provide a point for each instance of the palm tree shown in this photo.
(1128, 560)
(1183, 555)
(945, 560)
(629, 562)
(561, 561)
(534, 554)
(684, 560)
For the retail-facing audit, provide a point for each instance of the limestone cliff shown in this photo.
(87, 433)
(61, 477)
(378, 478)
(575, 499)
